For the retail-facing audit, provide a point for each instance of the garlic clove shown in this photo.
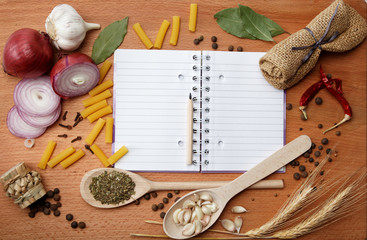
(228, 225)
(206, 197)
(198, 226)
(239, 209)
(206, 203)
(196, 197)
(188, 229)
(187, 216)
(193, 217)
(180, 217)
(175, 215)
(189, 204)
(238, 223)
(199, 212)
(206, 210)
(213, 207)
(205, 221)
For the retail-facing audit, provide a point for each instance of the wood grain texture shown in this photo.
(263, 204)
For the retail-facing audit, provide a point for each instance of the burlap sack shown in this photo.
(283, 67)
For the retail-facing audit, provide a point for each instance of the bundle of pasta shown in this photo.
(338, 28)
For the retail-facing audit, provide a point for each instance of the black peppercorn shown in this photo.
(169, 195)
(69, 217)
(324, 141)
(317, 154)
(330, 159)
(82, 225)
(177, 191)
(317, 164)
(154, 194)
(328, 76)
(320, 147)
(154, 207)
(320, 125)
(50, 194)
(306, 155)
(214, 45)
(337, 133)
(160, 205)
(57, 213)
(53, 207)
(313, 145)
(311, 159)
(137, 202)
(288, 106)
(318, 101)
(296, 176)
(239, 49)
(47, 204)
(57, 197)
(304, 174)
(162, 214)
(74, 224)
(165, 200)
(201, 38)
(214, 38)
(147, 196)
(196, 41)
(230, 48)
(46, 211)
(302, 168)
(31, 214)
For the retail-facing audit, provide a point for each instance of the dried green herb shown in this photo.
(112, 187)
(243, 22)
(109, 40)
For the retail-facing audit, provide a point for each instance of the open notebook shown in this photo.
(239, 118)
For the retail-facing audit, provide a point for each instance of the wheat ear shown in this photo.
(336, 207)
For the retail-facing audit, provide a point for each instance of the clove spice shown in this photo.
(88, 148)
(65, 126)
(64, 116)
(63, 135)
(76, 139)
(80, 118)
(77, 116)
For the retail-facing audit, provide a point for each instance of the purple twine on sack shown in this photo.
(319, 42)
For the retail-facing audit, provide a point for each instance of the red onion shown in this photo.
(19, 128)
(74, 75)
(41, 121)
(35, 97)
(27, 54)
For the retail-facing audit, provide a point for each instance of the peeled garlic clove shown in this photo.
(228, 225)
(186, 216)
(205, 221)
(206, 197)
(239, 209)
(196, 197)
(198, 226)
(206, 203)
(238, 223)
(213, 207)
(206, 210)
(199, 202)
(175, 215)
(180, 217)
(188, 229)
(199, 212)
(189, 204)
(193, 216)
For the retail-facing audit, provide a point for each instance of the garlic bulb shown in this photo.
(67, 28)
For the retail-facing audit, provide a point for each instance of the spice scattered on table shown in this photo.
(230, 48)
(318, 100)
(239, 49)
(288, 106)
(112, 187)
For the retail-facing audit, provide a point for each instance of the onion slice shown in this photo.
(41, 121)
(35, 97)
(74, 75)
(21, 129)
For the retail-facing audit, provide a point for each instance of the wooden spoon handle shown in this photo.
(264, 184)
(266, 167)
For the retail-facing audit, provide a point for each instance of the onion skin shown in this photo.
(27, 54)
(62, 66)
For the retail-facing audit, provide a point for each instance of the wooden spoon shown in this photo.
(143, 186)
(223, 194)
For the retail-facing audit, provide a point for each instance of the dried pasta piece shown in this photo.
(95, 131)
(93, 108)
(72, 159)
(175, 30)
(109, 130)
(47, 154)
(97, 98)
(100, 113)
(61, 156)
(161, 34)
(193, 16)
(100, 88)
(104, 69)
(100, 155)
(117, 155)
(142, 35)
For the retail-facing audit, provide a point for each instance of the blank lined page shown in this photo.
(245, 114)
(151, 92)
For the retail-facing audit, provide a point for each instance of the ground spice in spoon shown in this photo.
(112, 187)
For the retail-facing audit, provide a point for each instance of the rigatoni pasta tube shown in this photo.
(47, 154)
(95, 131)
(175, 30)
(142, 35)
(117, 155)
(93, 108)
(100, 155)
(193, 16)
(61, 156)
(104, 69)
(92, 100)
(100, 88)
(100, 113)
(72, 159)
(161, 34)
(109, 130)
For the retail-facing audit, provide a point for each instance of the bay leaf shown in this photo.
(230, 21)
(272, 26)
(109, 40)
(254, 23)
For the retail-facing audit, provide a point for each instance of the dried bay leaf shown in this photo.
(254, 24)
(230, 21)
(109, 40)
(272, 26)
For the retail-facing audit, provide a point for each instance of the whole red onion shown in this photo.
(27, 54)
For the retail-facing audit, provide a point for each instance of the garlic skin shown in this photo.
(67, 28)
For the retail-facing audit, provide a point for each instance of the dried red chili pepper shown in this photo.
(344, 103)
(308, 95)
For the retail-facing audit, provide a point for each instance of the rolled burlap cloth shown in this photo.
(338, 28)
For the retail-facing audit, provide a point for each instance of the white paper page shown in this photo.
(246, 114)
(151, 92)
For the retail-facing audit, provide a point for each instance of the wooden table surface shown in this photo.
(263, 204)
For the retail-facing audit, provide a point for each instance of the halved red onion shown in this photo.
(41, 121)
(74, 75)
(35, 97)
(21, 129)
